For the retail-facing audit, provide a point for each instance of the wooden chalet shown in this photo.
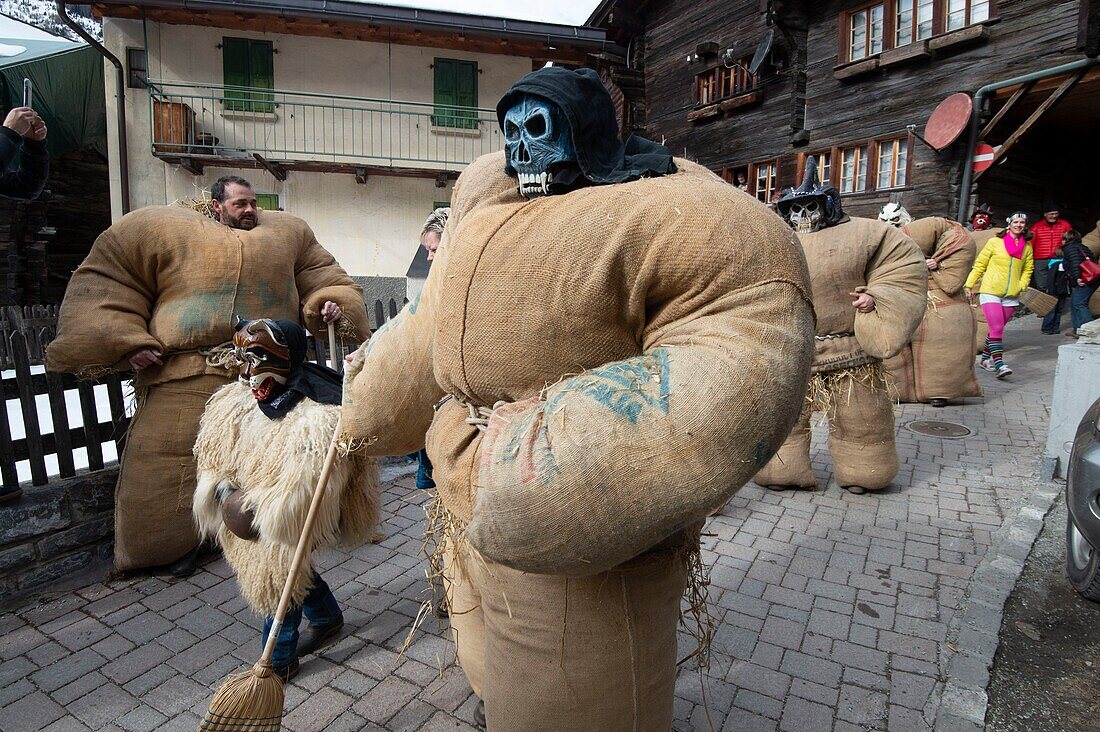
(854, 84)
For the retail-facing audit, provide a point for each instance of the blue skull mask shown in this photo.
(538, 142)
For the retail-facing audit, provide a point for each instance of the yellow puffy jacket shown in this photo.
(1001, 274)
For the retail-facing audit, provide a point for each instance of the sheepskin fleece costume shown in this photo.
(861, 255)
(171, 279)
(649, 343)
(938, 362)
(276, 464)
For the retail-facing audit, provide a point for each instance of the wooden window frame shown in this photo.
(137, 67)
(832, 153)
(754, 177)
(713, 77)
(261, 197)
(903, 142)
(871, 146)
(889, 26)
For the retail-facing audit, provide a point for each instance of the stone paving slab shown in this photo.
(835, 612)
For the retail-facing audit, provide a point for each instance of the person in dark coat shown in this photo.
(23, 129)
(1074, 254)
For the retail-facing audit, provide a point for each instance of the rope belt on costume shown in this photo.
(832, 336)
(479, 416)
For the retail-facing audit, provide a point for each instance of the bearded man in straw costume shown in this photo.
(614, 343)
(937, 364)
(870, 291)
(158, 293)
(260, 450)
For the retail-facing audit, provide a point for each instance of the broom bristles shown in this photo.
(247, 702)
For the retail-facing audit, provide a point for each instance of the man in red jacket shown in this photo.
(1047, 239)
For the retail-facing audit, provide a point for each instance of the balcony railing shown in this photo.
(206, 121)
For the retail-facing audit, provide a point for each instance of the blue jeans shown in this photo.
(1052, 321)
(1079, 304)
(320, 608)
(424, 471)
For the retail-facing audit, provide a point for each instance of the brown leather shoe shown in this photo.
(288, 672)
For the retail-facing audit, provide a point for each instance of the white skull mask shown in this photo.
(806, 218)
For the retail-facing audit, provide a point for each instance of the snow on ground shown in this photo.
(72, 409)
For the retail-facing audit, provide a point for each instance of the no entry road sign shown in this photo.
(983, 157)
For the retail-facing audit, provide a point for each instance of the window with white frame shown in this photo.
(871, 29)
(853, 169)
(764, 179)
(892, 163)
(865, 32)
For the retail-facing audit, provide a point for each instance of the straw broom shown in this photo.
(252, 701)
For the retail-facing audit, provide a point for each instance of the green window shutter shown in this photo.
(235, 71)
(261, 71)
(446, 93)
(440, 204)
(268, 201)
(466, 92)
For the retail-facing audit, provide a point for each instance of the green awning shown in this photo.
(68, 93)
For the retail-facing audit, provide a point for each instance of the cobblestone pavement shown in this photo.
(836, 612)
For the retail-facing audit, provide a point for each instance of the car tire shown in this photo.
(1082, 563)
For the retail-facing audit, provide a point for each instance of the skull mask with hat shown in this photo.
(811, 206)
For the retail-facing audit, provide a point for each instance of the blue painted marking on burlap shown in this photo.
(415, 303)
(629, 388)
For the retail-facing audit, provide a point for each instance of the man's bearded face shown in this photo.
(238, 210)
(539, 144)
(265, 361)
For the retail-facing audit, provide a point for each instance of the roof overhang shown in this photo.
(352, 20)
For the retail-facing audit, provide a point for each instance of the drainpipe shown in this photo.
(975, 114)
(120, 96)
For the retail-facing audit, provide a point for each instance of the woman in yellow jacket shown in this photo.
(1004, 266)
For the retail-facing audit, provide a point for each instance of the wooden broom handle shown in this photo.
(304, 547)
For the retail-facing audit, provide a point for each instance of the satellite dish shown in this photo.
(948, 120)
(762, 49)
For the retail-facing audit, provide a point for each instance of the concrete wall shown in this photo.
(372, 229)
(1076, 387)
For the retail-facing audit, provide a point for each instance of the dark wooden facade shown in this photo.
(810, 99)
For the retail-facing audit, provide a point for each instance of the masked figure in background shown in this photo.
(869, 288)
(981, 221)
(261, 445)
(937, 364)
(158, 293)
(615, 343)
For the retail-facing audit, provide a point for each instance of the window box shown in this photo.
(703, 113)
(742, 100)
(854, 69)
(247, 116)
(474, 131)
(903, 54)
(967, 36)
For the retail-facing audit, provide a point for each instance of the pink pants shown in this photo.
(996, 315)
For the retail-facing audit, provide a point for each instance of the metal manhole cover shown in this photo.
(949, 430)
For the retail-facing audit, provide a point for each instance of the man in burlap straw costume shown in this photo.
(937, 364)
(870, 288)
(614, 343)
(158, 293)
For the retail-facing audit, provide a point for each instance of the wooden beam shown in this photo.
(275, 169)
(191, 165)
(1047, 104)
(1016, 97)
(308, 166)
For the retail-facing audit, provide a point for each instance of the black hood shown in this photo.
(307, 380)
(603, 157)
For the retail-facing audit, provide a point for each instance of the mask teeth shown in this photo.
(544, 180)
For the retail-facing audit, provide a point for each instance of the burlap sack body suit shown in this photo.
(858, 255)
(683, 306)
(171, 279)
(938, 361)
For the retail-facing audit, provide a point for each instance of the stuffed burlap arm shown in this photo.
(604, 465)
(390, 387)
(318, 279)
(107, 305)
(955, 252)
(897, 277)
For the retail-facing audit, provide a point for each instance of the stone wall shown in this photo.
(55, 531)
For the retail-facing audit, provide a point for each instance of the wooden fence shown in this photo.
(24, 334)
